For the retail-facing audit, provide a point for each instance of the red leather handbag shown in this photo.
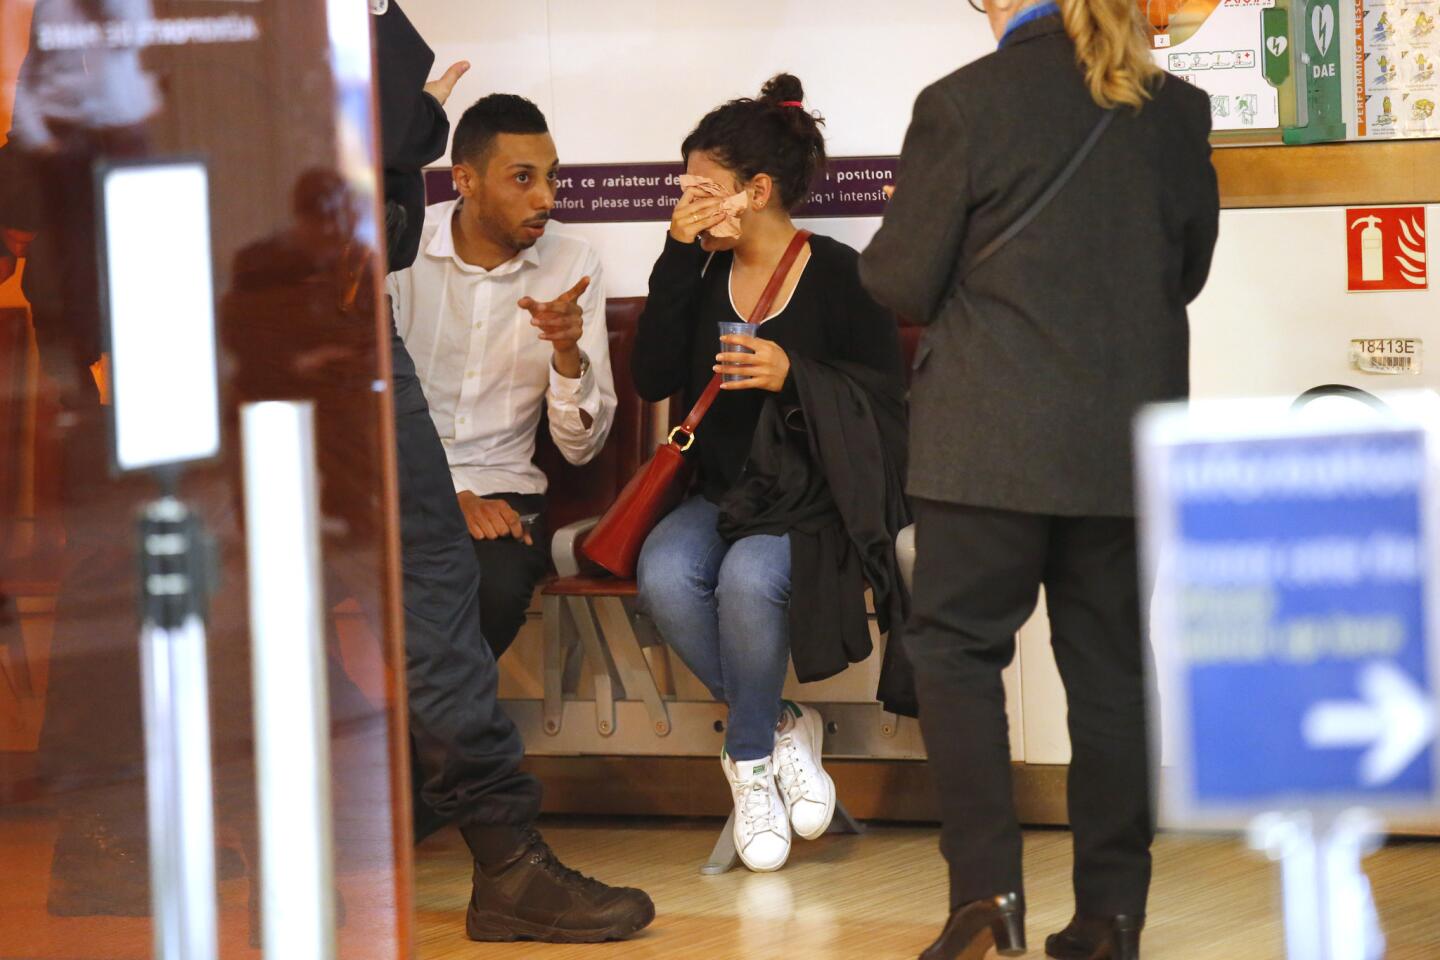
(660, 485)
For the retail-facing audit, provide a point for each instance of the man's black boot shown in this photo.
(523, 892)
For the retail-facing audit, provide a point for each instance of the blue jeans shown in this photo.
(724, 609)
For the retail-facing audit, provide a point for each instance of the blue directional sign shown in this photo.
(1293, 578)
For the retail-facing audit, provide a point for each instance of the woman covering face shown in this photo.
(768, 560)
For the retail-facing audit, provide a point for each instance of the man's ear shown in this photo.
(761, 190)
(467, 180)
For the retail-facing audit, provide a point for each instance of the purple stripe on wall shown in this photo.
(647, 192)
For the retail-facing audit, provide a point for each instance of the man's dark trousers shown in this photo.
(510, 570)
(468, 750)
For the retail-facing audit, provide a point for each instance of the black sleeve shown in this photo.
(424, 139)
(910, 263)
(413, 130)
(412, 122)
(1202, 228)
(660, 363)
(865, 332)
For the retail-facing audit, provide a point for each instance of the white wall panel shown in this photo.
(624, 81)
(506, 41)
(1275, 318)
(633, 76)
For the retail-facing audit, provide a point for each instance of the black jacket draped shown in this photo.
(828, 469)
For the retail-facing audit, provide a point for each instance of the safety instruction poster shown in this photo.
(1397, 49)
(1218, 45)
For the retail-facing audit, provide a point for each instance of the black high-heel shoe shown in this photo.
(975, 927)
(1097, 938)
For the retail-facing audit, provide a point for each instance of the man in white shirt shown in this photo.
(504, 317)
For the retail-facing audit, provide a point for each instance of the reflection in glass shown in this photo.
(253, 90)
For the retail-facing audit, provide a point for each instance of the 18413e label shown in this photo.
(1386, 355)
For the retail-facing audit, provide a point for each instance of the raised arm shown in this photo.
(582, 409)
(910, 264)
(413, 125)
(865, 332)
(1202, 228)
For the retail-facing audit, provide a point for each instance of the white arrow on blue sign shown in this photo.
(1294, 606)
(1394, 721)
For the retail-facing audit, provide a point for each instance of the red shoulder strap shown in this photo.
(757, 316)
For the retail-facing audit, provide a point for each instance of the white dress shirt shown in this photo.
(486, 373)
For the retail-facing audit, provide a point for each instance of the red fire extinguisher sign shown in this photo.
(1387, 248)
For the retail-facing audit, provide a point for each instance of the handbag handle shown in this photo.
(757, 316)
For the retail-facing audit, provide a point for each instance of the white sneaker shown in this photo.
(762, 831)
(808, 791)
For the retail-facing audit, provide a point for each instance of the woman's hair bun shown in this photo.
(783, 88)
(755, 136)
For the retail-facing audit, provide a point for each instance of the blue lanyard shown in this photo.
(1026, 16)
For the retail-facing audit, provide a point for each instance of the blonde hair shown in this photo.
(1112, 47)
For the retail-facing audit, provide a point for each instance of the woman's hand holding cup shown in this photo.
(765, 367)
(694, 215)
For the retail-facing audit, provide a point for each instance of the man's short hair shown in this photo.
(489, 117)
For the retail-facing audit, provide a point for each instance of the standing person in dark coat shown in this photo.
(469, 751)
(1025, 387)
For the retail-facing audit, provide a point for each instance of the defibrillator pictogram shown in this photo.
(1322, 25)
(1387, 248)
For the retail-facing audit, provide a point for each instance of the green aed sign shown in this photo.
(1316, 35)
(1276, 27)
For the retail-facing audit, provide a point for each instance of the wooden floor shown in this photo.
(882, 895)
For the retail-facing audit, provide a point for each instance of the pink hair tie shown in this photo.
(793, 103)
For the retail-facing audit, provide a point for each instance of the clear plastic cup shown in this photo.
(736, 329)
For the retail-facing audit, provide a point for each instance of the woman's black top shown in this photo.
(828, 318)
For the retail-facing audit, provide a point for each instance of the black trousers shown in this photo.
(977, 576)
(467, 749)
(510, 570)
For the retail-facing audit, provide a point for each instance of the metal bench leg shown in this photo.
(579, 612)
(553, 710)
(844, 821)
(724, 857)
(635, 671)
